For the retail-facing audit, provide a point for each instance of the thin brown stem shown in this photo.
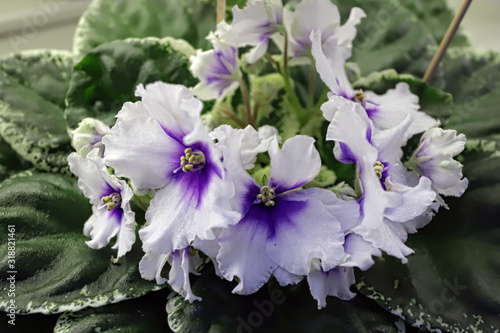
(233, 117)
(312, 85)
(246, 99)
(255, 114)
(221, 10)
(450, 33)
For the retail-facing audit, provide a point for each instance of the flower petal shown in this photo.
(178, 277)
(90, 176)
(295, 165)
(151, 266)
(134, 141)
(331, 69)
(395, 105)
(286, 278)
(173, 106)
(304, 230)
(332, 283)
(360, 252)
(101, 226)
(414, 200)
(309, 15)
(345, 34)
(188, 207)
(243, 251)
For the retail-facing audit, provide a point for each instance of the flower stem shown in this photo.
(234, 118)
(312, 85)
(290, 91)
(221, 10)
(246, 99)
(323, 98)
(140, 203)
(450, 33)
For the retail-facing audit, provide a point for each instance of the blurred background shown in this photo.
(482, 23)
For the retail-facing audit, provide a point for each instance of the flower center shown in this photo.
(192, 160)
(112, 200)
(379, 169)
(359, 97)
(266, 196)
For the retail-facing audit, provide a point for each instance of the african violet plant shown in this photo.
(265, 178)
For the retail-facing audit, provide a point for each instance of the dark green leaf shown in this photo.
(106, 21)
(56, 270)
(144, 314)
(433, 101)
(272, 309)
(108, 76)
(437, 16)
(391, 36)
(451, 282)
(33, 87)
(26, 323)
(10, 162)
(474, 80)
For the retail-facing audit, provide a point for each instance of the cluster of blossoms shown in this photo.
(196, 183)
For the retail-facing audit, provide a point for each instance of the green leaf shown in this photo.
(324, 179)
(474, 79)
(272, 309)
(108, 76)
(433, 101)
(391, 36)
(437, 16)
(25, 324)
(451, 282)
(33, 87)
(56, 270)
(10, 162)
(144, 314)
(106, 21)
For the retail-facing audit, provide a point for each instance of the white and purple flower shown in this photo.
(88, 135)
(253, 25)
(164, 131)
(110, 199)
(386, 111)
(433, 158)
(386, 200)
(282, 230)
(324, 17)
(217, 69)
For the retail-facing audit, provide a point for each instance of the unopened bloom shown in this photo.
(110, 199)
(217, 69)
(88, 135)
(253, 25)
(281, 230)
(164, 131)
(433, 158)
(386, 111)
(324, 17)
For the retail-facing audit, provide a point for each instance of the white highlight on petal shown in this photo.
(295, 165)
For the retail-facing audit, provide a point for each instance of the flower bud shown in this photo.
(88, 136)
